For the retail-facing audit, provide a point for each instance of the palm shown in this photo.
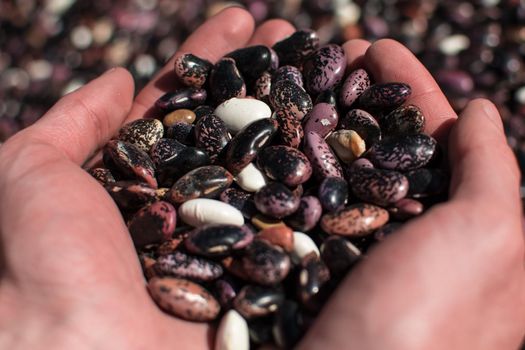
(404, 284)
(81, 257)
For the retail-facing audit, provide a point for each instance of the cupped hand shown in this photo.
(70, 278)
(69, 274)
(453, 278)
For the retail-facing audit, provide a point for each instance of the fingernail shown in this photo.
(489, 108)
(492, 113)
(221, 8)
(109, 71)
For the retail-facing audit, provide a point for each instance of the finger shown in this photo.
(84, 120)
(389, 61)
(483, 165)
(271, 32)
(355, 51)
(225, 32)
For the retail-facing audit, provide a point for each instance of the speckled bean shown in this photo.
(403, 152)
(184, 299)
(276, 200)
(355, 220)
(377, 186)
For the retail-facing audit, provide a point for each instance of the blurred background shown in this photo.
(49, 48)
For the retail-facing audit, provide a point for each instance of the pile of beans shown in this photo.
(270, 175)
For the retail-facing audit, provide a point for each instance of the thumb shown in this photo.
(84, 120)
(483, 165)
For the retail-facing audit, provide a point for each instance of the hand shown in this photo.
(69, 274)
(82, 286)
(453, 278)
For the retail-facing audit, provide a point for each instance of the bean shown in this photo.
(269, 210)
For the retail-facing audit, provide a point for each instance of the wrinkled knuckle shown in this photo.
(98, 120)
(387, 42)
(14, 145)
(25, 155)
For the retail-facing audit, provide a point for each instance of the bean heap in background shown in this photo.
(271, 174)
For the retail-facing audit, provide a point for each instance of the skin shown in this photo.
(70, 279)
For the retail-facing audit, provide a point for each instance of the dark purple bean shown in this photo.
(218, 240)
(202, 111)
(276, 200)
(226, 81)
(186, 160)
(327, 96)
(182, 132)
(243, 148)
(265, 264)
(204, 182)
(226, 290)
(333, 193)
(274, 60)
(239, 199)
(426, 182)
(289, 96)
(355, 84)
(290, 131)
(289, 325)
(324, 163)
(261, 329)
(262, 87)
(164, 151)
(211, 135)
(295, 48)
(377, 186)
(385, 96)
(183, 98)
(312, 277)
(153, 224)
(457, 82)
(403, 152)
(102, 175)
(284, 164)
(324, 68)
(178, 264)
(130, 162)
(192, 70)
(256, 301)
(307, 215)
(364, 124)
(252, 61)
(290, 73)
(404, 120)
(131, 195)
(339, 255)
